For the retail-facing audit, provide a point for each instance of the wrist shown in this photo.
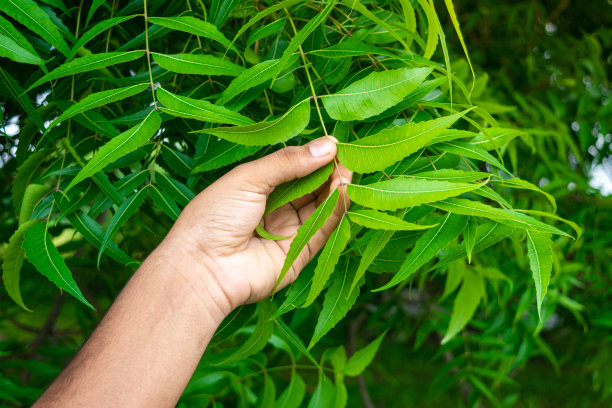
(194, 274)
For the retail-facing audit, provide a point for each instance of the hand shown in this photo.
(214, 238)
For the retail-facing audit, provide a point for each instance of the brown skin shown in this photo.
(148, 345)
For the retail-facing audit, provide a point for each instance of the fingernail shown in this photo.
(345, 180)
(322, 147)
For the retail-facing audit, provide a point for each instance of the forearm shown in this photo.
(146, 348)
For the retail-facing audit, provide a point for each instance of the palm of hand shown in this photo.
(220, 223)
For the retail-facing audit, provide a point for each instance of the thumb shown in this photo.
(287, 164)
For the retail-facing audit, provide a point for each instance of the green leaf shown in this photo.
(339, 299)
(432, 28)
(198, 109)
(264, 13)
(404, 192)
(8, 30)
(99, 99)
(95, 31)
(267, 235)
(297, 292)
(14, 255)
(275, 131)
(193, 26)
(221, 10)
(124, 212)
(351, 48)
(31, 197)
(379, 151)
(293, 395)
(519, 183)
(297, 188)
(95, 4)
(453, 175)
(307, 231)
(88, 63)
(324, 395)
(263, 32)
(466, 303)
(43, 254)
(376, 244)
(28, 13)
(356, 5)
(540, 262)
(469, 236)
(120, 145)
(471, 151)
(221, 154)
(428, 246)
(93, 233)
(25, 175)
(164, 202)
(328, 259)
(177, 161)
(374, 94)
(174, 188)
(197, 64)
(21, 98)
(380, 220)
(300, 36)
(495, 138)
(487, 234)
(251, 77)
(12, 50)
(508, 217)
(362, 358)
(263, 330)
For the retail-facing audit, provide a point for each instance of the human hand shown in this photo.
(214, 238)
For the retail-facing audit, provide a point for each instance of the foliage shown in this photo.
(126, 119)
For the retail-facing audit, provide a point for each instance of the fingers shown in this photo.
(286, 164)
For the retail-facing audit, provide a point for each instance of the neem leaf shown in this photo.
(28, 13)
(193, 26)
(293, 395)
(266, 133)
(12, 50)
(197, 64)
(307, 230)
(428, 245)
(164, 202)
(98, 99)
(379, 220)
(466, 303)
(469, 236)
(221, 154)
(43, 254)
(297, 188)
(198, 109)
(328, 259)
(301, 35)
(339, 298)
(95, 31)
(251, 77)
(118, 146)
(14, 255)
(374, 93)
(540, 261)
(495, 137)
(405, 192)
(508, 217)
(362, 358)
(124, 212)
(379, 151)
(88, 63)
